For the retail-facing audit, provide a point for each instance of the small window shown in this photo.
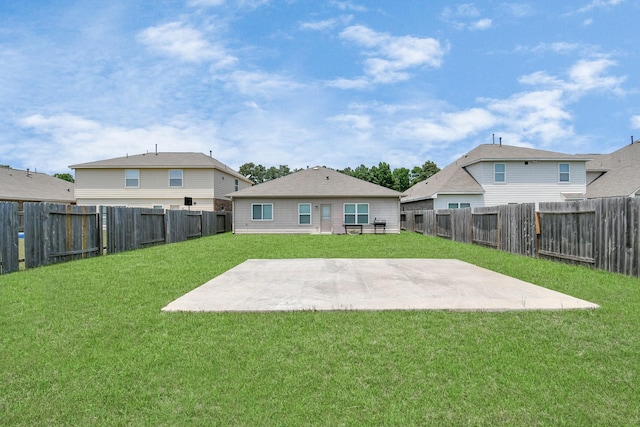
(132, 178)
(356, 213)
(465, 205)
(563, 172)
(499, 172)
(237, 185)
(157, 207)
(262, 212)
(453, 206)
(175, 178)
(304, 214)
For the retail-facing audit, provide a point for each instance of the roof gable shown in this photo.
(621, 172)
(316, 182)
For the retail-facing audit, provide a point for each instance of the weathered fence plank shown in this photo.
(56, 233)
(9, 226)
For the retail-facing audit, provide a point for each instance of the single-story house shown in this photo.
(497, 174)
(316, 200)
(26, 186)
(159, 180)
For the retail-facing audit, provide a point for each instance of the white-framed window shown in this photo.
(356, 213)
(563, 172)
(304, 213)
(175, 177)
(262, 211)
(132, 178)
(459, 205)
(158, 207)
(237, 185)
(499, 172)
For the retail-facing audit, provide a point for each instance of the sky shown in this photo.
(337, 83)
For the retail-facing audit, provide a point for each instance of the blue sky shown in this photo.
(335, 83)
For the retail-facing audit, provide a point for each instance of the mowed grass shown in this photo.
(86, 343)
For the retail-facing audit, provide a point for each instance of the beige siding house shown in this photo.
(496, 174)
(317, 200)
(158, 180)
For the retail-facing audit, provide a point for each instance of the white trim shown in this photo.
(137, 171)
(504, 173)
(181, 178)
(310, 214)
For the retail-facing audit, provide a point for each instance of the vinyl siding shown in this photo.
(442, 201)
(285, 215)
(224, 184)
(532, 182)
(166, 203)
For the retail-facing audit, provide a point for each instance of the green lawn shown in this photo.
(85, 343)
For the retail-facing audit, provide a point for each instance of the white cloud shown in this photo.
(347, 5)
(326, 24)
(586, 75)
(518, 10)
(177, 39)
(483, 24)
(635, 121)
(260, 84)
(465, 16)
(390, 57)
(447, 127)
(598, 4)
(77, 139)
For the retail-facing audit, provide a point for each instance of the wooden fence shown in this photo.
(9, 224)
(55, 233)
(603, 233)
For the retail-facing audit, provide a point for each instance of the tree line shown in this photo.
(398, 179)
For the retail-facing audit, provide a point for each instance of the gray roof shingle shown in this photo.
(315, 182)
(19, 185)
(621, 176)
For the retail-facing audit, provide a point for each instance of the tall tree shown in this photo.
(382, 175)
(420, 173)
(401, 180)
(65, 176)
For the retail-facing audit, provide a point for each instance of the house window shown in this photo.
(304, 213)
(237, 185)
(459, 205)
(262, 211)
(132, 178)
(356, 213)
(499, 172)
(175, 178)
(563, 172)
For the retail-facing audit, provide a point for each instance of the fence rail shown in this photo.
(602, 233)
(55, 233)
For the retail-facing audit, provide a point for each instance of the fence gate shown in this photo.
(55, 233)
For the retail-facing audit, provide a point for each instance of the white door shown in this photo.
(326, 225)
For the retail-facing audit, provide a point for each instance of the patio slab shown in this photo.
(369, 284)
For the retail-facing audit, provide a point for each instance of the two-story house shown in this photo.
(158, 180)
(496, 174)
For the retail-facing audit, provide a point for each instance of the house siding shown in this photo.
(285, 215)
(443, 200)
(525, 183)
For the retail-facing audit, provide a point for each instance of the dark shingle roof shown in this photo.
(316, 182)
(162, 160)
(19, 185)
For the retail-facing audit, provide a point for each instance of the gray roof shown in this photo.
(162, 160)
(315, 182)
(18, 185)
(454, 179)
(621, 173)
